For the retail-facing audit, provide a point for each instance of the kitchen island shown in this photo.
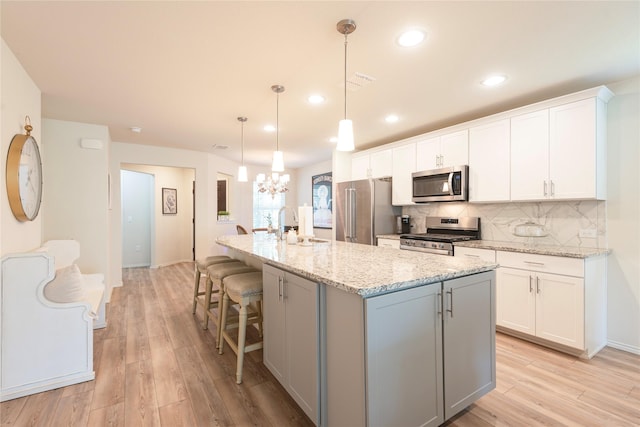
(356, 334)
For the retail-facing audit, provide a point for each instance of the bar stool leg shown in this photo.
(259, 308)
(222, 317)
(223, 322)
(242, 336)
(207, 302)
(196, 291)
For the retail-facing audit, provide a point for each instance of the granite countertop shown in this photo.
(361, 269)
(562, 251)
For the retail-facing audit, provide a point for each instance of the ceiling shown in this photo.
(184, 71)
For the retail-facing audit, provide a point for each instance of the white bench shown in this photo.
(45, 344)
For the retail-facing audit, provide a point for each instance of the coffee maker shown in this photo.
(403, 224)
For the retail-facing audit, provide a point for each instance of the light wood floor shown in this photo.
(156, 366)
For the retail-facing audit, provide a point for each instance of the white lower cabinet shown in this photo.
(430, 351)
(548, 306)
(291, 336)
(557, 299)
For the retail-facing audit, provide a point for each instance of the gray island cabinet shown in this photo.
(368, 336)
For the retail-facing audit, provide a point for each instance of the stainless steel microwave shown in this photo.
(441, 185)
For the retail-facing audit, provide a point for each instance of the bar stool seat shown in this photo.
(201, 271)
(215, 274)
(242, 289)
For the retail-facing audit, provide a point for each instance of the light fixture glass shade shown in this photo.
(242, 174)
(260, 178)
(278, 162)
(345, 136)
(285, 178)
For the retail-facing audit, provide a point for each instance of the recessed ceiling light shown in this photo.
(315, 99)
(411, 38)
(391, 118)
(136, 129)
(494, 80)
(269, 128)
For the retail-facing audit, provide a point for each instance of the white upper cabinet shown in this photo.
(551, 150)
(489, 162)
(360, 167)
(530, 156)
(371, 165)
(441, 151)
(559, 153)
(404, 164)
(577, 152)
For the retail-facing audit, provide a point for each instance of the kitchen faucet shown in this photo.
(280, 233)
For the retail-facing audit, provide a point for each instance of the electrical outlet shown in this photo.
(590, 233)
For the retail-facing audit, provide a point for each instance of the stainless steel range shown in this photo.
(441, 234)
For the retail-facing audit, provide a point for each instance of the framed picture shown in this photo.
(169, 201)
(322, 201)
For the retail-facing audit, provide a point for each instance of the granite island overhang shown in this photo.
(361, 335)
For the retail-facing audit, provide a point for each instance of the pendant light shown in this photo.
(345, 127)
(242, 169)
(278, 159)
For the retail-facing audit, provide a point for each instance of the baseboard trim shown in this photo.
(624, 347)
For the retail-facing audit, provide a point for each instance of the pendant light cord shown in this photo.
(345, 76)
(277, 121)
(242, 138)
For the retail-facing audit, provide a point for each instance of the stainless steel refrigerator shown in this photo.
(364, 210)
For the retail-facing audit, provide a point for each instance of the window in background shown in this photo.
(265, 208)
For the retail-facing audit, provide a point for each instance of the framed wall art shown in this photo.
(169, 201)
(322, 200)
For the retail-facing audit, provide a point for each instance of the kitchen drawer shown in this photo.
(541, 263)
(488, 255)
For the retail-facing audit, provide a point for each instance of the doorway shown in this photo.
(137, 192)
(171, 228)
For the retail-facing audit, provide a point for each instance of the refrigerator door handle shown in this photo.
(350, 214)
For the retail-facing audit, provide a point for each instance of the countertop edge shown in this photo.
(368, 292)
(559, 251)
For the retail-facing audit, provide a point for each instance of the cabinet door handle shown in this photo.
(450, 309)
(280, 288)
(553, 189)
(472, 256)
(534, 263)
(545, 188)
(439, 304)
(530, 283)
(537, 285)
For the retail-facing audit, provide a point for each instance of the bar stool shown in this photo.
(215, 274)
(201, 269)
(242, 289)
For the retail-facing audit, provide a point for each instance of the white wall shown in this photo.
(305, 190)
(19, 97)
(76, 200)
(173, 233)
(623, 215)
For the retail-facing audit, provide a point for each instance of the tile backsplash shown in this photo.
(563, 220)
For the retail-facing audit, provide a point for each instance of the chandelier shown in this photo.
(273, 184)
